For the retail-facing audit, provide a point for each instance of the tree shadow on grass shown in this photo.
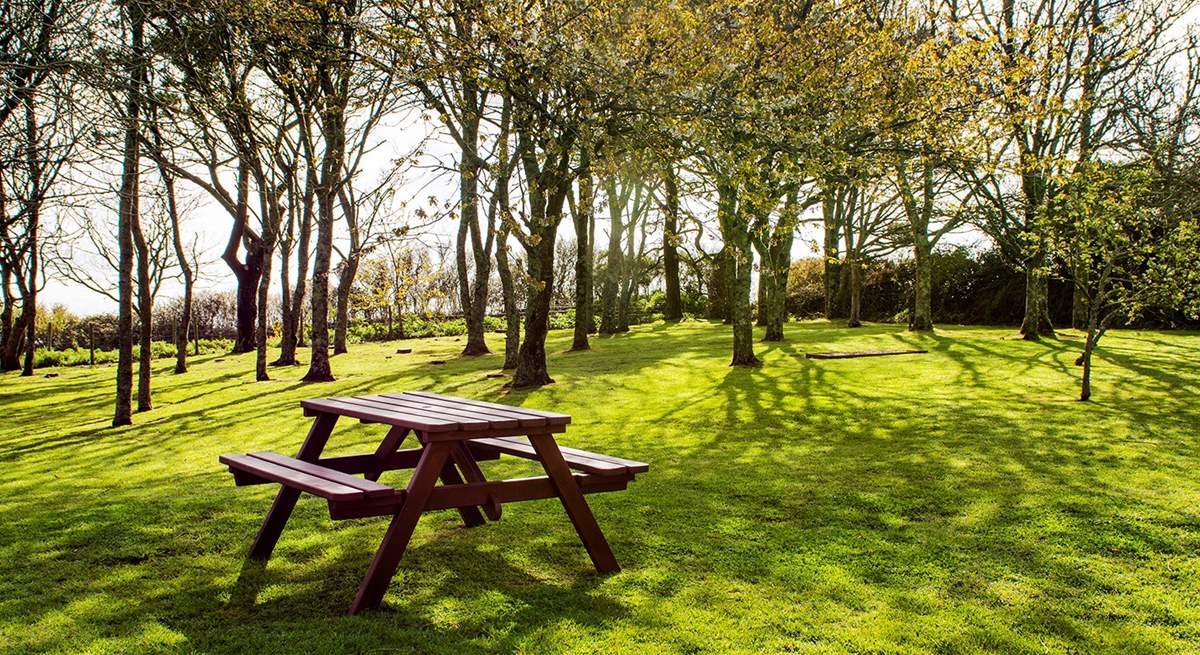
(457, 591)
(789, 500)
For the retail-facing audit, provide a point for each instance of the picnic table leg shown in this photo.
(470, 469)
(395, 540)
(285, 500)
(389, 445)
(470, 514)
(572, 500)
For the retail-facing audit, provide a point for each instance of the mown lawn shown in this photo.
(957, 502)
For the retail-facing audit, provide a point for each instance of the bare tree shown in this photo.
(38, 41)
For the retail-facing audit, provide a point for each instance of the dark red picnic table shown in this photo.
(452, 435)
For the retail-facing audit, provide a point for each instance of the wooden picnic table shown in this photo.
(452, 435)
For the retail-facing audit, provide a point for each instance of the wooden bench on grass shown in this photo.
(453, 434)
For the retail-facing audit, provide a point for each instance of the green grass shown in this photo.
(957, 502)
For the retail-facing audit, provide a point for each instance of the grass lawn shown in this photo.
(960, 501)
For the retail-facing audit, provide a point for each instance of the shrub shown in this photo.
(44, 358)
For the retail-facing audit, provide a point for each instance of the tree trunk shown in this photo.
(778, 264)
(628, 287)
(512, 313)
(33, 220)
(272, 217)
(546, 213)
(286, 310)
(1079, 310)
(1036, 323)
(673, 311)
(922, 310)
(261, 324)
(855, 293)
(474, 303)
(185, 267)
(30, 331)
(531, 359)
(342, 311)
(1094, 333)
(584, 219)
(718, 285)
(764, 292)
(293, 327)
(626, 306)
(830, 269)
(8, 330)
(743, 329)
(609, 301)
(145, 315)
(247, 273)
(14, 346)
(334, 131)
(127, 209)
(735, 230)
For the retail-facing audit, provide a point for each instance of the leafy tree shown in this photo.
(1105, 220)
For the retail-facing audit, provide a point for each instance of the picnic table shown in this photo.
(452, 436)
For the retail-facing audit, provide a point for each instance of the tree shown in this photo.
(187, 264)
(37, 136)
(450, 66)
(1105, 220)
(313, 52)
(211, 98)
(567, 70)
(135, 71)
(870, 231)
(628, 201)
(1055, 70)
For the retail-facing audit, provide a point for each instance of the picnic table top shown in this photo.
(433, 413)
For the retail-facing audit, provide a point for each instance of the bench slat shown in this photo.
(368, 487)
(581, 455)
(576, 459)
(292, 478)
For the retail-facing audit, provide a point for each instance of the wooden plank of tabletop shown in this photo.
(552, 418)
(523, 418)
(375, 402)
(338, 407)
(454, 412)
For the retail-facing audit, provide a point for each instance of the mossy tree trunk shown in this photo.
(512, 312)
(776, 265)
(618, 199)
(831, 214)
(585, 225)
(718, 285)
(919, 213)
(735, 230)
(673, 311)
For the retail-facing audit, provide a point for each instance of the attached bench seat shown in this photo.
(330, 484)
(580, 460)
(350, 496)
